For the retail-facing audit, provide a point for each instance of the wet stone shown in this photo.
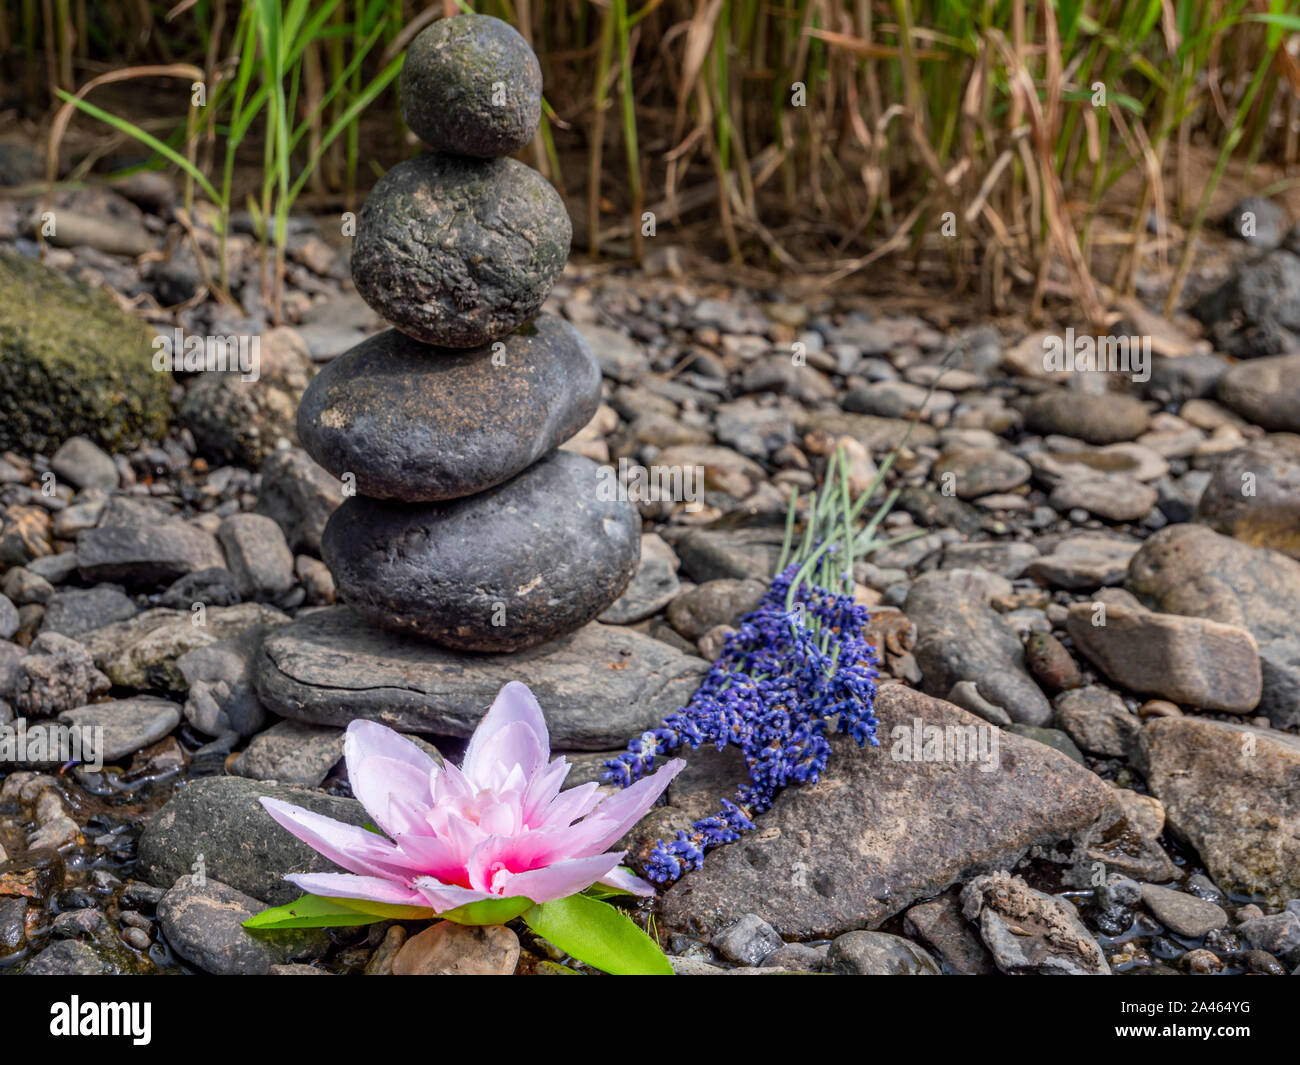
(1183, 914)
(748, 941)
(415, 423)
(1028, 931)
(69, 957)
(879, 954)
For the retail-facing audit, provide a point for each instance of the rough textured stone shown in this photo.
(960, 637)
(1097, 720)
(422, 424)
(598, 686)
(472, 86)
(1190, 569)
(1188, 660)
(141, 652)
(458, 252)
(221, 819)
(291, 752)
(1230, 791)
(69, 957)
(940, 925)
(1253, 494)
(258, 556)
(876, 833)
(72, 363)
(1030, 932)
(145, 556)
(239, 421)
(203, 923)
(128, 724)
(58, 674)
(561, 552)
(299, 496)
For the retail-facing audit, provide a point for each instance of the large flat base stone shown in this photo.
(598, 687)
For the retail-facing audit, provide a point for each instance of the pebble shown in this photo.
(449, 949)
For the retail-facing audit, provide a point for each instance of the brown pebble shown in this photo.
(1201, 962)
(135, 938)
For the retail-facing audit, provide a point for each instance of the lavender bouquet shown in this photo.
(798, 665)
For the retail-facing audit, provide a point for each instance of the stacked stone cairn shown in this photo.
(467, 527)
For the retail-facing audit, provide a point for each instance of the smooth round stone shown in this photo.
(421, 424)
(458, 252)
(512, 567)
(472, 86)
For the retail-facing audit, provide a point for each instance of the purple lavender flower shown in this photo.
(783, 676)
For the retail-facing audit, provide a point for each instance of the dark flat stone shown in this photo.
(598, 687)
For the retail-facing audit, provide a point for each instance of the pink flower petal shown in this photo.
(369, 739)
(344, 886)
(544, 785)
(514, 703)
(621, 879)
(432, 856)
(514, 746)
(562, 879)
(354, 848)
(395, 794)
(571, 805)
(443, 897)
(620, 812)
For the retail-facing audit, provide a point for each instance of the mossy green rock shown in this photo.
(72, 363)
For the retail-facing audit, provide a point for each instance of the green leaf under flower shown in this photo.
(600, 935)
(488, 911)
(315, 911)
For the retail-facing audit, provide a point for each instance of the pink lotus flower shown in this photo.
(497, 827)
